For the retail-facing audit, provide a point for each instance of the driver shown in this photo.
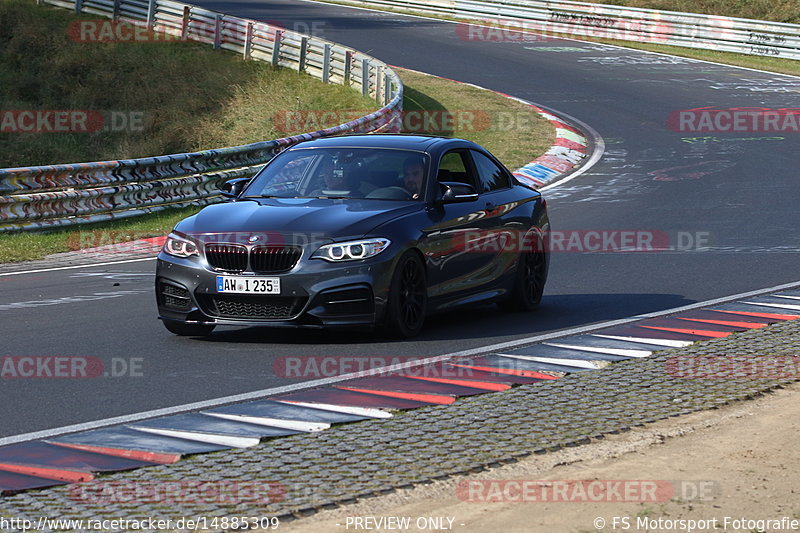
(413, 173)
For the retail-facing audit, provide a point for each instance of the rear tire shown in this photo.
(408, 298)
(529, 282)
(188, 330)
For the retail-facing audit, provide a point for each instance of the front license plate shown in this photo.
(248, 285)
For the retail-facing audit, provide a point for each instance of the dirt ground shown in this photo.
(739, 465)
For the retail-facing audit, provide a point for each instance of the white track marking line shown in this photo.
(577, 363)
(779, 306)
(481, 350)
(622, 352)
(343, 409)
(294, 425)
(657, 342)
(210, 438)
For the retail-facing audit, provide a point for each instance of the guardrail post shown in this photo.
(78, 6)
(378, 79)
(115, 12)
(276, 48)
(365, 77)
(248, 41)
(387, 89)
(187, 15)
(326, 64)
(151, 14)
(217, 32)
(348, 61)
(303, 54)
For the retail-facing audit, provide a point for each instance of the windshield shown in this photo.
(378, 173)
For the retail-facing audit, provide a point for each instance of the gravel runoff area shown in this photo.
(376, 457)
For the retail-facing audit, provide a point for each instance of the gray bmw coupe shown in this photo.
(358, 230)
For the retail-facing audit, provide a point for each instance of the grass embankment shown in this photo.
(510, 130)
(165, 96)
(234, 105)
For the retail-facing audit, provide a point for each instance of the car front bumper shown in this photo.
(314, 294)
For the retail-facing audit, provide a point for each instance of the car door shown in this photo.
(456, 266)
(506, 218)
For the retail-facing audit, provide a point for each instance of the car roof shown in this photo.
(422, 143)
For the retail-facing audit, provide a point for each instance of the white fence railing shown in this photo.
(725, 34)
(59, 195)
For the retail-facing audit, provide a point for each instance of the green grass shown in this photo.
(188, 96)
(30, 245)
(512, 131)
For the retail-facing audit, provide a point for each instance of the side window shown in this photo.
(453, 167)
(491, 176)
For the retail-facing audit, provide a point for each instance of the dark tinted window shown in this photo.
(491, 176)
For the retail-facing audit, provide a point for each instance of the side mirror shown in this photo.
(455, 192)
(233, 188)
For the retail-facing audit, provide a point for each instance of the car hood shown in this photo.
(311, 219)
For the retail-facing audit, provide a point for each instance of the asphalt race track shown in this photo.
(735, 192)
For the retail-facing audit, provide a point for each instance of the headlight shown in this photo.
(351, 250)
(180, 246)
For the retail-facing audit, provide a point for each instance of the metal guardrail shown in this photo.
(711, 32)
(68, 194)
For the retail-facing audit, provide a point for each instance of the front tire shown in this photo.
(408, 298)
(188, 330)
(529, 282)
